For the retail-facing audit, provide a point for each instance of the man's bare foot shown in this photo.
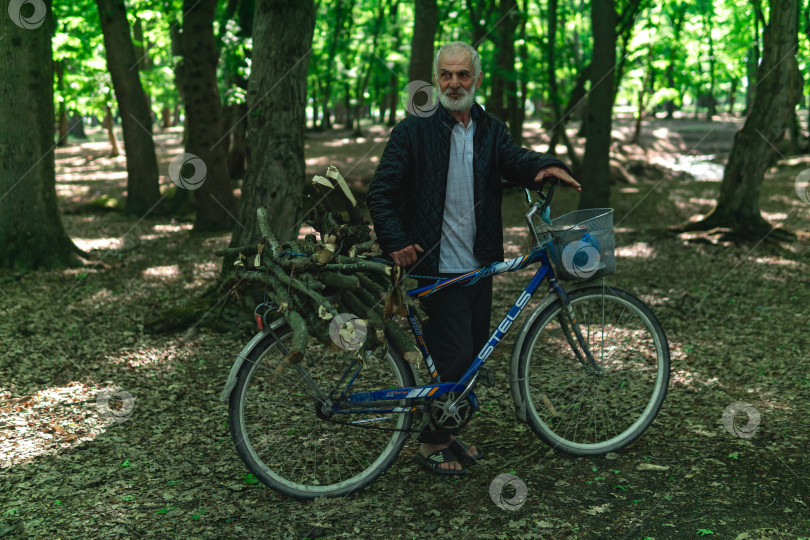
(426, 449)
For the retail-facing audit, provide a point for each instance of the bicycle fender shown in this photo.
(520, 406)
(243, 355)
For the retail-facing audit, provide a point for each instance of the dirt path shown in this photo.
(164, 466)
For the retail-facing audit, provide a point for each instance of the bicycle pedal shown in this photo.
(487, 378)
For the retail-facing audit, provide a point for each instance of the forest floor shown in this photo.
(736, 316)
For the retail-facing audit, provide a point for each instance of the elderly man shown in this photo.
(435, 201)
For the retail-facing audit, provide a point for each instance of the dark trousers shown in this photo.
(457, 329)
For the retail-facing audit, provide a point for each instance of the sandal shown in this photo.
(435, 459)
(459, 449)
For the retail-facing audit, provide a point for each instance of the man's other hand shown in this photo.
(560, 173)
(407, 256)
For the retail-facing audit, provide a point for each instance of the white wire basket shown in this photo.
(581, 244)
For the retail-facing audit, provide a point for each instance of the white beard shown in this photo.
(459, 104)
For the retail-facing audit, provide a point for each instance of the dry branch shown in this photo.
(313, 281)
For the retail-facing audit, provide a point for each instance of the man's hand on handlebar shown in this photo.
(557, 172)
(407, 256)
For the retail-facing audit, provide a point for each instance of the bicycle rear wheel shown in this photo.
(285, 439)
(584, 410)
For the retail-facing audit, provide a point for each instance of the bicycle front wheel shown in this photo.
(586, 408)
(286, 439)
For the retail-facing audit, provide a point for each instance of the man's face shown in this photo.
(455, 79)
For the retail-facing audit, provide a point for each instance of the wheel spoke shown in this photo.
(290, 445)
(595, 412)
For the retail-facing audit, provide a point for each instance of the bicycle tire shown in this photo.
(557, 387)
(283, 441)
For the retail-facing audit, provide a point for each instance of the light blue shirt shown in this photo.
(458, 224)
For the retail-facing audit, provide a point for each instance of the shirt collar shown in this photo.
(476, 112)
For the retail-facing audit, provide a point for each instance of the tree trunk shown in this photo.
(393, 100)
(282, 44)
(326, 112)
(711, 112)
(62, 133)
(76, 125)
(141, 50)
(110, 127)
(595, 177)
(510, 18)
(795, 133)
(166, 117)
(517, 114)
(558, 129)
(31, 231)
(237, 158)
(426, 20)
(143, 193)
(778, 91)
(646, 88)
(326, 90)
(206, 139)
(753, 58)
(348, 121)
(732, 95)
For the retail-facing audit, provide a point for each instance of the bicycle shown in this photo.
(588, 372)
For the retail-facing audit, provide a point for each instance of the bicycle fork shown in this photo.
(568, 323)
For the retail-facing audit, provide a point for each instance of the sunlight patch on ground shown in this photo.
(701, 167)
(641, 250)
(54, 419)
(203, 274)
(89, 244)
(682, 373)
(103, 294)
(704, 202)
(172, 228)
(162, 272)
(775, 216)
(653, 300)
(317, 161)
(92, 173)
(338, 142)
(778, 279)
(515, 242)
(778, 261)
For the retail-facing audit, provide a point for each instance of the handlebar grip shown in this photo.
(548, 196)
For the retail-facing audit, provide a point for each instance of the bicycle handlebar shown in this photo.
(538, 207)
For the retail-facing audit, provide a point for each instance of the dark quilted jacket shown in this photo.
(406, 196)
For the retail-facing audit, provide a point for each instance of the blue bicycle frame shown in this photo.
(348, 402)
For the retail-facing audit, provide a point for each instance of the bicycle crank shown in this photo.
(443, 417)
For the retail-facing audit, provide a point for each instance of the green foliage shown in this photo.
(361, 51)
(78, 45)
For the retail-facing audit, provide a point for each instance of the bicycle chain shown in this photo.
(371, 427)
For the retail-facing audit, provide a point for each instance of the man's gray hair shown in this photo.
(457, 47)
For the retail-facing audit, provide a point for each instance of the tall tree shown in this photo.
(779, 89)
(426, 19)
(503, 90)
(31, 231)
(143, 193)
(393, 90)
(754, 54)
(342, 14)
(598, 121)
(205, 137)
(277, 91)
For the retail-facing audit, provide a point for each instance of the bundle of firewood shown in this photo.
(314, 283)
